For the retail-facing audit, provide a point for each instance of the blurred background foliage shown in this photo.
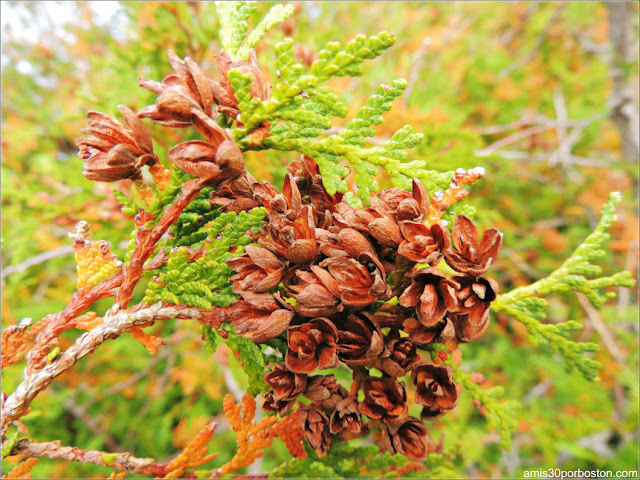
(524, 89)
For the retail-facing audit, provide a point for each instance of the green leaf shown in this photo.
(525, 305)
(370, 114)
(275, 16)
(333, 62)
(232, 17)
(53, 354)
(299, 98)
(211, 338)
(501, 416)
(11, 439)
(128, 206)
(285, 68)
(251, 357)
(204, 282)
(109, 458)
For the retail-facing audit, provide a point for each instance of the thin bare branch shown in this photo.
(522, 134)
(544, 157)
(80, 412)
(37, 260)
(54, 450)
(113, 325)
(527, 119)
(42, 258)
(415, 68)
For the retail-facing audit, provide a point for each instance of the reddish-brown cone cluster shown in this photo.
(185, 98)
(357, 286)
(324, 278)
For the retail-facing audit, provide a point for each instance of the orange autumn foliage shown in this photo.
(22, 470)
(16, 341)
(289, 431)
(150, 342)
(88, 321)
(251, 438)
(194, 454)
(118, 474)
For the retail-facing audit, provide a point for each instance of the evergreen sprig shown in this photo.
(188, 229)
(233, 17)
(300, 107)
(526, 306)
(253, 361)
(162, 200)
(500, 415)
(275, 16)
(346, 461)
(205, 281)
(128, 206)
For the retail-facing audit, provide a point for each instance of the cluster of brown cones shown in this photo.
(343, 285)
(358, 287)
(186, 98)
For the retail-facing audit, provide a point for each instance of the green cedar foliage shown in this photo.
(253, 360)
(526, 306)
(300, 107)
(501, 416)
(205, 282)
(233, 17)
(346, 461)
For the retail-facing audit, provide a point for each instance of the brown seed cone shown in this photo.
(339, 282)
(306, 174)
(346, 419)
(267, 196)
(216, 163)
(286, 385)
(358, 282)
(400, 356)
(258, 270)
(386, 231)
(423, 244)
(432, 294)
(273, 404)
(471, 317)
(465, 330)
(435, 389)
(325, 392)
(259, 316)
(312, 346)
(409, 436)
(441, 332)
(294, 240)
(403, 206)
(360, 340)
(354, 243)
(469, 256)
(114, 152)
(384, 398)
(315, 426)
(236, 196)
(345, 216)
(292, 197)
(179, 94)
(312, 297)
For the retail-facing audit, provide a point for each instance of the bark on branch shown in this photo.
(113, 325)
(121, 462)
